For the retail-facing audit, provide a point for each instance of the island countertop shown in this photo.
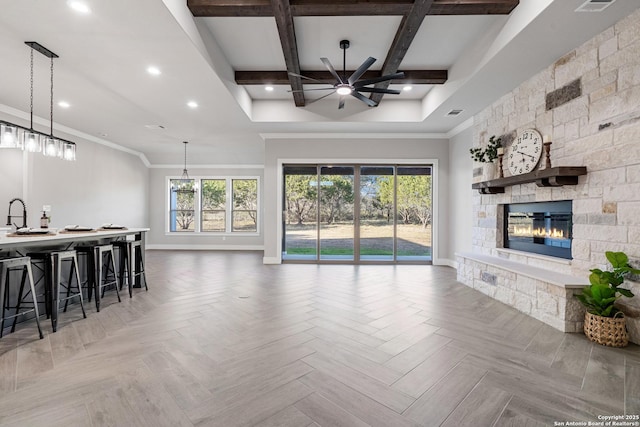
(61, 238)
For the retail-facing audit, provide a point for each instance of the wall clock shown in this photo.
(524, 153)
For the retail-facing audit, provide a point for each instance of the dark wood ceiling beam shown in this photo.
(407, 31)
(230, 7)
(221, 8)
(282, 78)
(472, 7)
(286, 30)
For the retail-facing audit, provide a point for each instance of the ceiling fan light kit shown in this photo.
(351, 85)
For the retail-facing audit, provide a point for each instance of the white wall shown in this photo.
(102, 185)
(460, 193)
(160, 238)
(11, 166)
(355, 151)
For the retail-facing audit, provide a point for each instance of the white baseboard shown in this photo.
(271, 260)
(206, 247)
(446, 261)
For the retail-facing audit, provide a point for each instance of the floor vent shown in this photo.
(594, 5)
(454, 112)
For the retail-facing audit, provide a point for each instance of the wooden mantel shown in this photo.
(551, 177)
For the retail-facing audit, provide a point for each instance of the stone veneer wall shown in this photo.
(589, 103)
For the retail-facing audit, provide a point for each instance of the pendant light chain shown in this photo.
(51, 104)
(31, 88)
(185, 157)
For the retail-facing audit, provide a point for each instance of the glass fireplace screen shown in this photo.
(543, 228)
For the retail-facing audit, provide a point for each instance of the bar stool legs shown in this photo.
(138, 260)
(131, 264)
(52, 262)
(7, 266)
(101, 271)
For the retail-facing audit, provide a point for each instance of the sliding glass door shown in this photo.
(376, 221)
(357, 213)
(336, 213)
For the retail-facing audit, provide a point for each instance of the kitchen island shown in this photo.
(65, 239)
(14, 245)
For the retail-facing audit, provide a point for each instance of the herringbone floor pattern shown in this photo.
(222, 340)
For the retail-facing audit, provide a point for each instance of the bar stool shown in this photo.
(52, 263)
(100, 269)
(23, 264)
(131, 263)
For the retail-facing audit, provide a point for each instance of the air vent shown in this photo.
(454, 112)
(594, 5)
(154, 127)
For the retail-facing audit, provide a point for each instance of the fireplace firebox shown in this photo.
(542, 228)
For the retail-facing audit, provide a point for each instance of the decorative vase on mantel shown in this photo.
(487, 156)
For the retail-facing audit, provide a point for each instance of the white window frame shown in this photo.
(198, 206)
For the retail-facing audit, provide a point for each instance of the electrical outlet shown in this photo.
(46, 208)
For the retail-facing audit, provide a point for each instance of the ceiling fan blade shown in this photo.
(332, 70)
(303, 77)
(361, 70)
(393, 76)
(309, 90)
(341, 103)
(364, 99)
(318, 99)
(376, 90)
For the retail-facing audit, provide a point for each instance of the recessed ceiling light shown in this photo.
(192, 104)
(79, 6)
(64, 104)
(269, 88)
(407, 88)
(153, 70)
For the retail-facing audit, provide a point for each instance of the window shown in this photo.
(183, 206)
(213, 205)
(245, 205)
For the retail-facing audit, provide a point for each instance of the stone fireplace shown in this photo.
(587, 102)
(539, 227)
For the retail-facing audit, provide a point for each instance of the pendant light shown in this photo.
(8, 135)
(185, 184)
(52, 146)
(16, 136)
(31, 141)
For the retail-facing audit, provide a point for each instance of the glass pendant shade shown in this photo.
(69, 151)
(8, 136)
(31, 141)
(51, 147)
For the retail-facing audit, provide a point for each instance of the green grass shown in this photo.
(347, 251)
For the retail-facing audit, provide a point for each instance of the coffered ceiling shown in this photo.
(457, 54)
(412, 14)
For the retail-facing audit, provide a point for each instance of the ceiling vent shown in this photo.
(154, 127)
(454, 112)
(594, 5)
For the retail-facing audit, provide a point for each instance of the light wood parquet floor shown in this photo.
(222, 340)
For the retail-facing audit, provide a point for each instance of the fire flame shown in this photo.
(528, 231)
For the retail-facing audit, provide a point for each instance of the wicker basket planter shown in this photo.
(609, 331)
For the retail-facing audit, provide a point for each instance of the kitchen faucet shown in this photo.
(24, 213)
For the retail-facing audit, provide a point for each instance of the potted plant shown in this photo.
(604, 323)
(488, 154)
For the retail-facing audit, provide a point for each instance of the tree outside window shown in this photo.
(182, 212)
(245, 205)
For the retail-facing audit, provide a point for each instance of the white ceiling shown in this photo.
(101, 71)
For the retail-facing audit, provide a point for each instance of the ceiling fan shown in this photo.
(351, 85)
